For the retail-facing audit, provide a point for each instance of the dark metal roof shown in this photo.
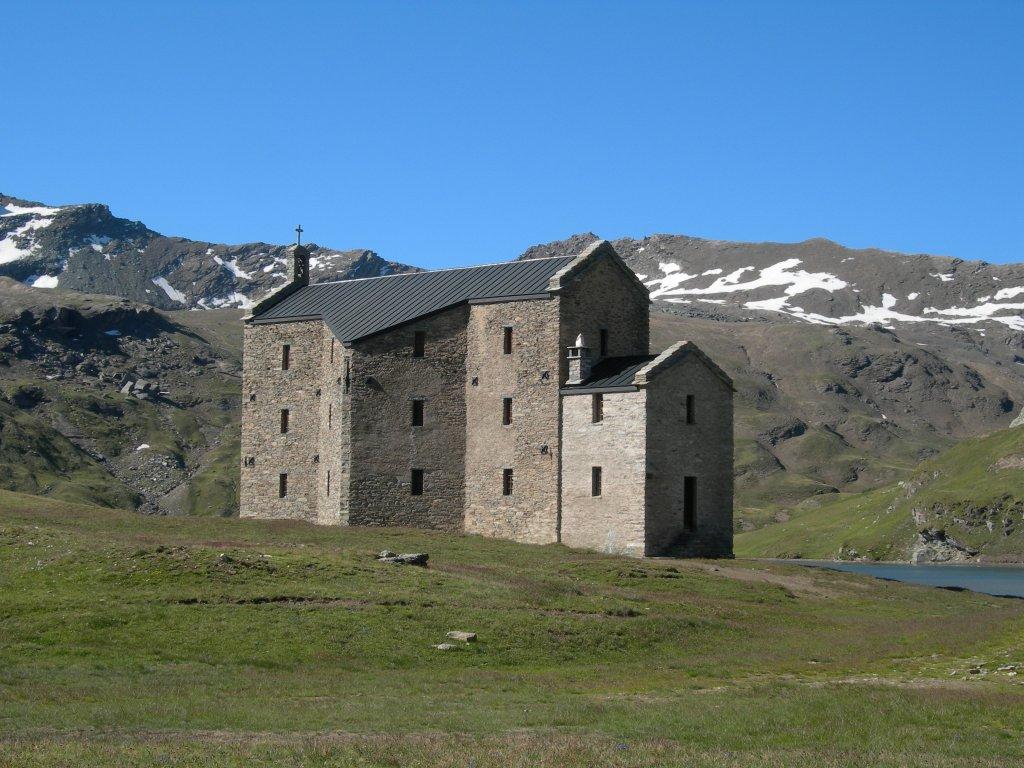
(611, 373)
(354, 309)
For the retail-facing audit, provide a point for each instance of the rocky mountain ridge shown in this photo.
(816, 281)
(86, 248)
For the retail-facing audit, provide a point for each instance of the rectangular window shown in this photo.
(689, 503)
(284, 420)
(506, 482)
(417, 413)
(282, 485)
(286, 353)
(506, 411)
(419, 343)
(691, 409)
(595, 481)
(597, 409)
(604, 342)
(347, 377)
(507, 343)
(416, 482)
(328, 482)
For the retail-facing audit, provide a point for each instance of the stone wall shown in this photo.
(703, 450)
(266, 389)
(600, 296)
(385, 447)
(335, 426)
(530, 444)
(614, 521)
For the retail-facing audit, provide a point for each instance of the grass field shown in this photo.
(129, 640)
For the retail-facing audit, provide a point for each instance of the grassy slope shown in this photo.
(36, 454)
(960, 491)
(37, 458)
(131, 640)
(784, 373)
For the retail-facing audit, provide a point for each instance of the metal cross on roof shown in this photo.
(298, 235)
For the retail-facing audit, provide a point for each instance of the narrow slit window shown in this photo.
(286, 356)
(689, 503)
(506, 411)
(604, 342)
(419, 343)
(328, 482)
(597, 409)
(691, 409)
(416, 482)
(348, 378)
(330, 414)
(595, 481)
(282, 485)
(417, 413)
(332, 349)
(284, 420)
(506, 344)
(506, 482)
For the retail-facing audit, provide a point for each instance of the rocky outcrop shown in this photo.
(934, 546)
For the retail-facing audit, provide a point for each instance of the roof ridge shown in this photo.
(435, 271)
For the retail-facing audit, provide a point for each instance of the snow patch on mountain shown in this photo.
(11, 248)
(232, 266)
(1008, 293)
(172, 293)
(794, 282)
(239, 300)
(784, 274)
(97, 242)
(12, 209)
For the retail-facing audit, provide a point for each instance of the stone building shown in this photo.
(515, 400)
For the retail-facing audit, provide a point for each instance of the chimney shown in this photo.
(298, 265)
(579, 361)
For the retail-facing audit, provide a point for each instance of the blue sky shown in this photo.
(450, 133)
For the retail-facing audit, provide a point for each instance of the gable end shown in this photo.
(601, 249)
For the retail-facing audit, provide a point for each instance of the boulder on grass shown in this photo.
(410, 558)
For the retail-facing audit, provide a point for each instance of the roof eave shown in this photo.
(585, 390)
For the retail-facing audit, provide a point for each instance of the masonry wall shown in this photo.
(604, 296)
(703, 450)
(385, 447)
(334, 446)
(266, 389)
(530, 444)
(613, 522)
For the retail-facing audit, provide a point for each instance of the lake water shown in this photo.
(990, 579)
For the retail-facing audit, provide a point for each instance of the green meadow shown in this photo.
(134, 641)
